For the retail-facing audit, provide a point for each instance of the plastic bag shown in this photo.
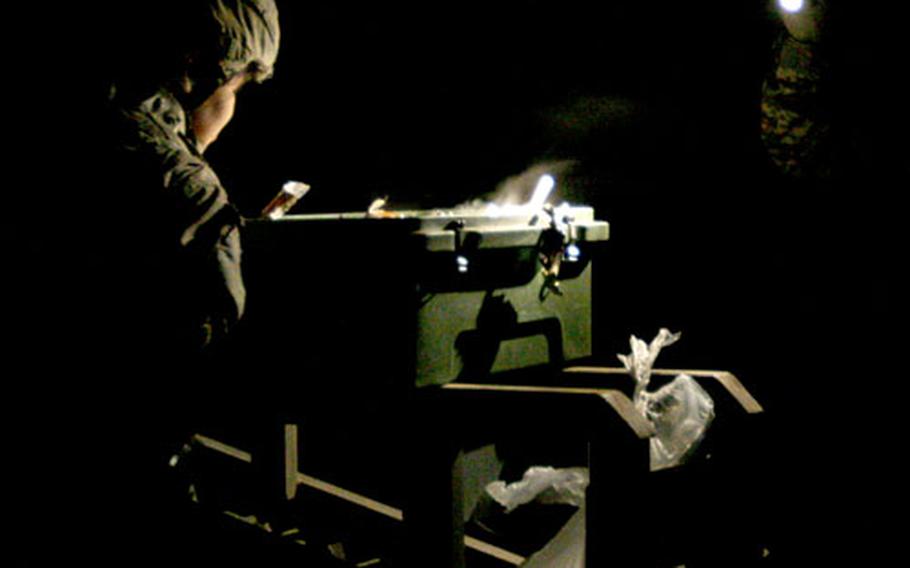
(542, 484)
(680, 411)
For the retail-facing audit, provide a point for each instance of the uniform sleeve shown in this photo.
(205, 230)
(208, 233)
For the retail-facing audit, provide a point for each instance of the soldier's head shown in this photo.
(223, 44)
(216, 40)
(202, 51)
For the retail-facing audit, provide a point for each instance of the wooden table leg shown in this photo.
(291, 464)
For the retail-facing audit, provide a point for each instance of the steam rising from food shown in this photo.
(520, 195)
(515, 195)
(542, 191)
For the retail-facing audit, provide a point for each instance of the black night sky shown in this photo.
(440, 103)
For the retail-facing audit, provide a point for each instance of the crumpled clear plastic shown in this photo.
(680, 411)
(543, 484)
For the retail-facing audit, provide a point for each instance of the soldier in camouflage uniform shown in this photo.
(188, 243)
(159, 245)
(830, 132)
(795, 128)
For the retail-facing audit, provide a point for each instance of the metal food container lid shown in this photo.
(441, 230)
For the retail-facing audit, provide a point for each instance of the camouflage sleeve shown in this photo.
(205, 224)
(795, 127)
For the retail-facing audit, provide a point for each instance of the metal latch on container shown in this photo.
(555, 243)
(461, 260)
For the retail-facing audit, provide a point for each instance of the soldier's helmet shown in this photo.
(203, 41)
(247, 36)
(224, 38)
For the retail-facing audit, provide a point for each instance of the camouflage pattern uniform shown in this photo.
(182, 227)
(794, 127)
(829, 129)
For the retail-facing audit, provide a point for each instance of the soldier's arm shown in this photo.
(208, 232)
(191, 201)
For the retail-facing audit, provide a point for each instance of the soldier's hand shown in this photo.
(806, 23)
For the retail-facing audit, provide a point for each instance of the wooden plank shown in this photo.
(290, 461)
(359, 500)
(217, 446)
(350, 496)
(727, 379)
(616, 399)
(398, 515)
(494, 551)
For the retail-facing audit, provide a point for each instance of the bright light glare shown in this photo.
(561, 211)
(544, 186)
(493, 210)
(791, 5)
(573, 252)
(542, 191)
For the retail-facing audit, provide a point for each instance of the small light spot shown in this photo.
(791, 6)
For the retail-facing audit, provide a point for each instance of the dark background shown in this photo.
(789, 285)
